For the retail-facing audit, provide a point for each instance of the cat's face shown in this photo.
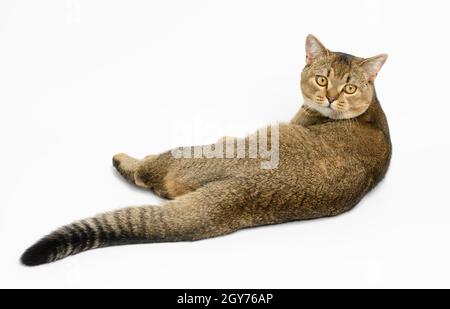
(338, 85)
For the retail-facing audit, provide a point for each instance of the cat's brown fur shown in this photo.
(325, 167)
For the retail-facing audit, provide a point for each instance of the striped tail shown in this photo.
(197, 215)
(126, 226)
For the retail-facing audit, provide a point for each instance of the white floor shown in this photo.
(82, 80)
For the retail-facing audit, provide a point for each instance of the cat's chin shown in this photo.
(328, 111)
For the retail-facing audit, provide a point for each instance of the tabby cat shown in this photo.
(335, 149)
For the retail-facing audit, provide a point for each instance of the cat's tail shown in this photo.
(197, 215)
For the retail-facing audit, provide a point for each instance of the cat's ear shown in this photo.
(371, 66)
(314, 49)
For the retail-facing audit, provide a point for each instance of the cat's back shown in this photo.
(347, 137)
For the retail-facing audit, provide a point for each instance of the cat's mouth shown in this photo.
(325, 108)
(325, 105)
(320, 102)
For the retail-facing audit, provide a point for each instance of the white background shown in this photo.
(83, 80)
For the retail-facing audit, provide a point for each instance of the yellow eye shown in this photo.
(321, 80)
(350, 89)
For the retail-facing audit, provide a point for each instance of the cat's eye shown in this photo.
(350, 89)
(321, 80)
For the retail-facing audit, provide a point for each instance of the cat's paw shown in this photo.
(125, 165)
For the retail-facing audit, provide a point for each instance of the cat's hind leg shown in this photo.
(126, 166)
(147, 173)
(170, 177)
(151, 174)
(167, 176)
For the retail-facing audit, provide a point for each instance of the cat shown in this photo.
(335, 149)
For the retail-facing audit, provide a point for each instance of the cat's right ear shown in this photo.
(314, 49)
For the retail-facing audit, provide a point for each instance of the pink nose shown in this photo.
(331, 99)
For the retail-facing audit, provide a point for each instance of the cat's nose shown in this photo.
(331, 99)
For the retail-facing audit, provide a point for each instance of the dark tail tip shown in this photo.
(40, 253)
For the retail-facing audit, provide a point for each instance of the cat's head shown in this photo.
(338, 85)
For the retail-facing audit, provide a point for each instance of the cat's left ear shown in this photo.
(371, 66)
